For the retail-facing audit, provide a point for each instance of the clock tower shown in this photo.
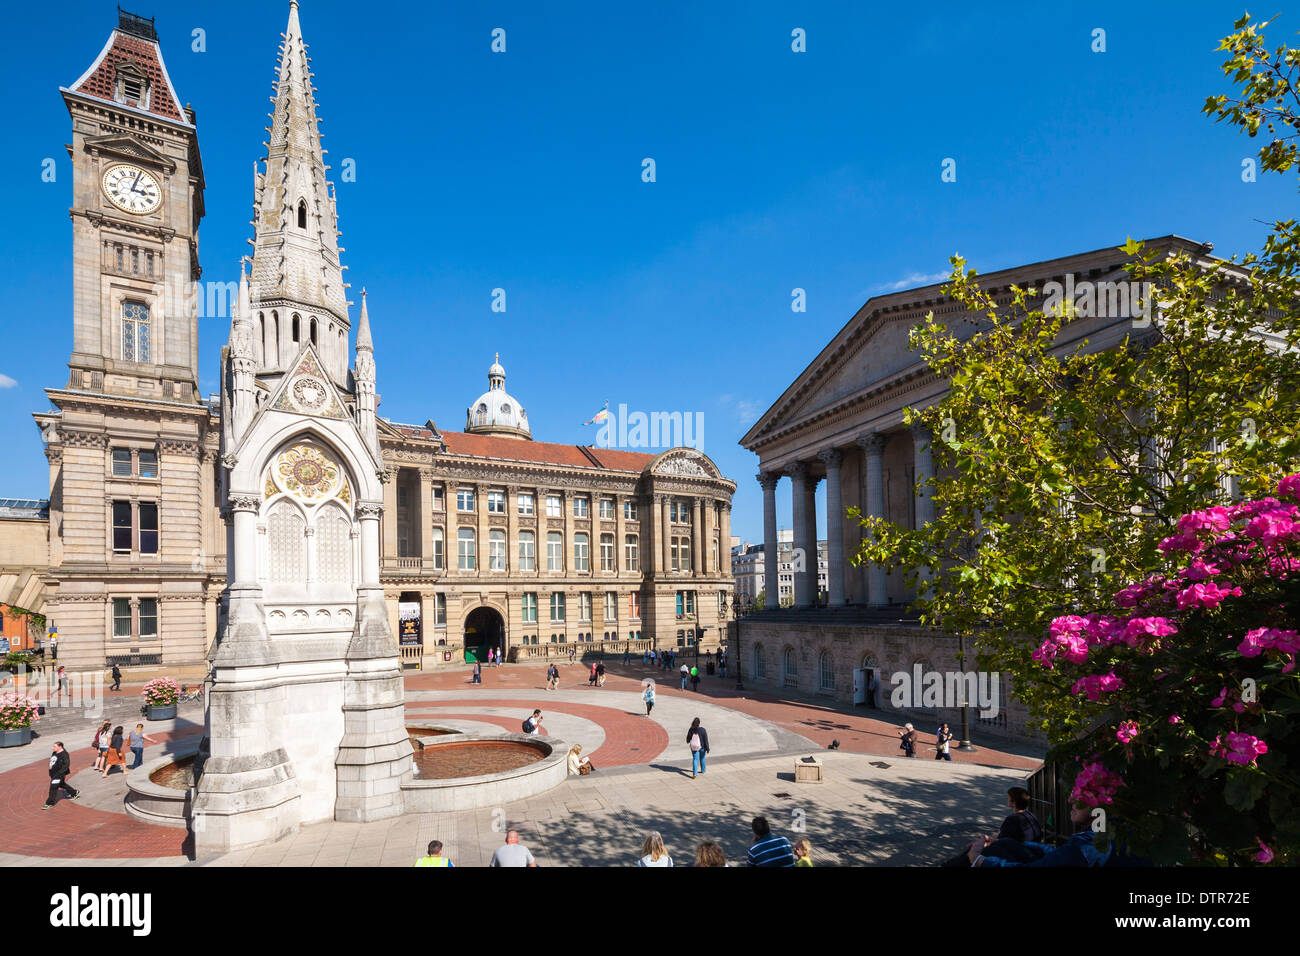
(137, 202)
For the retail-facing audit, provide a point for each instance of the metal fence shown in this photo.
(1049, 795)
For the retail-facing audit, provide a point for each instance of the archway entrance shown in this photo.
(484, 630)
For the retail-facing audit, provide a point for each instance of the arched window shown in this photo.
(496, 550)
(465, 549)
(481, 414)
(631, 552)
(287, 544)
(826, 671)
(333, 547)
(527, 551)
(581, 552)
(296, 331)
(791, 665)
(438, 545)
(302, 214)
(760, 664)
(313, 330)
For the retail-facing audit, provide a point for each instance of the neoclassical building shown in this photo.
(492, 540)
(488, 539)
(841, 422)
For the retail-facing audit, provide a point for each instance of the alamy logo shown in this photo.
(952, 689)
(624, 429)
(77, 909)
(1111, 300)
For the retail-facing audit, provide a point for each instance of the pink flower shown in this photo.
(1238, 748)
(1263, 639)
(1140, 630)
(1186, 541)
(1094, 685)
(1066, 642)
(1175, 719)
(1127, 731)
(1289, 487)
(1205, 595)
(1265, 854)
(1095, 786)
(1226, 697)
(1198, 570)
(1211, 519)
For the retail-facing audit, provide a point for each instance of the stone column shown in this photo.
(873, 450)
(512, 534)
(771, 583)
(566, 499)
(810, 522)
(390, 514)
(668, 533)
(724, 542)
(481, 529)
(426, 520)
(652, 555)
(924, 463)
(803, 592)
(834, 529)
(244, 511)
(620, 532)
(697, 538)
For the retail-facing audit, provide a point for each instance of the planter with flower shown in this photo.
(1191, 690)
(17, 714)
(160, 696)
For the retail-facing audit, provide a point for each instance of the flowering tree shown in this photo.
(161, 692)
(1189, 688)
(17, 711)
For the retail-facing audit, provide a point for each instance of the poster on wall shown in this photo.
(409, 629)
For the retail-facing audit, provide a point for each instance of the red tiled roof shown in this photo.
(519, 449)
(99, 80)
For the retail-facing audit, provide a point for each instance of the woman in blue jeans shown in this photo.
(698, 740)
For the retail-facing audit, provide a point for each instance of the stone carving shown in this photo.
(831, 457)
(768, 480)
(682, 465)
(872, 443)
(369, 510)
(308, 472)
(244, 503)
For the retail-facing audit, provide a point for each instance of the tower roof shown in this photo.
(496, 412)
(296, 251)
(132, 53)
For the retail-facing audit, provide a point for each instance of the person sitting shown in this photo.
(653, 852)
(578, 764)
(1076, 851)
(1017, 829)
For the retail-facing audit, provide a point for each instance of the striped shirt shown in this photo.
(771, 850)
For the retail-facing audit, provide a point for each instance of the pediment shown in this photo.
(306, 389)
(686, 462)
(126, 147)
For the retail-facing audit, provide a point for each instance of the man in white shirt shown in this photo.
(534, 724)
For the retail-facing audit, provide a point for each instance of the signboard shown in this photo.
(4, 645)
(409, 625)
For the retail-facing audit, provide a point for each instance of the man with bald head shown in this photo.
(512, 853)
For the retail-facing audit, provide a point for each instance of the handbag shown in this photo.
(584, 769)
(695, 743)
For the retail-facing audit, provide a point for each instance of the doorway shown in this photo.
(484, 631)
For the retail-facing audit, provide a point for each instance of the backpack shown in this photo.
(528, 725)
(695, 742)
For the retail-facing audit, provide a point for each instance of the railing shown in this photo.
(584, 650)
(132, 660)
(409, 564)
(1049, 798)
(412, 656)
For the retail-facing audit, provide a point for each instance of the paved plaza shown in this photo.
(875, 806)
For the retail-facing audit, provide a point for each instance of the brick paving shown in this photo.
(910, 808)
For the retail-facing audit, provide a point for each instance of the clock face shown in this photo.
(132, 189)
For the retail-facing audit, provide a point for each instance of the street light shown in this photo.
(964, 743)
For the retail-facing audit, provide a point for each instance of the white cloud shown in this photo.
(6, 381)
(915, 280)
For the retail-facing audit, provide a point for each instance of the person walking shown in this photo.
(100, 743)
(136, 742)
(117, 678)
(686, 675)
(873, 685)
(697, 738)
(492, 654)
(60, 767)
(116, 752)
(477, 678)
(768, 849)
(649, 697)
(552, 676)
(653, 852)
(600, 674)
(627, 654)
(695, 678)
(572, 653)
(435, 857)
(512, 853)
(62, 676)
(942, 739)
(533, 725)
(591, 678)
(907, 740)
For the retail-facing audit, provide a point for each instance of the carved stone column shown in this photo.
(834, 529)
(697, 538)
(873, 450)
(804, 558)
(768, 480)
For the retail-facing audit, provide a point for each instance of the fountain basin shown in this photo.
(528, 765)
(161, 790)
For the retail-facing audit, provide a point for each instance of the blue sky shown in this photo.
(522, 170)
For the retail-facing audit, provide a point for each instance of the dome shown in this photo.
(496, 411)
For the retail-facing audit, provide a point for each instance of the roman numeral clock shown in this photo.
(131, 188)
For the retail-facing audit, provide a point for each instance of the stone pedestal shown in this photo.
(808, 771)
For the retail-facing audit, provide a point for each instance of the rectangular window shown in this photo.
(611, 606)
(584, 606)
(686, 553)
(554, 506)
(439, 503)
(135, 332)
(121, 463)
(148, 527)
(525, 504)
(675, 563)
(403, 499)
(580, 507)
(557, 608)
(496, 550)
(439, 544)
(581, 553)
(121, 617)
(607, 507)
(631, 553)
(148, 463)
(607, 552)
(527, 551)
(530, 608)
(440, 610)
(629, 510)
(634, 606)
(554, 551)
(496, 502)
(465, 545)
(122, 529)
(685, 603)
(464, 499)
(148, 617)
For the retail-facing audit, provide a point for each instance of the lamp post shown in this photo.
(964, 743)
